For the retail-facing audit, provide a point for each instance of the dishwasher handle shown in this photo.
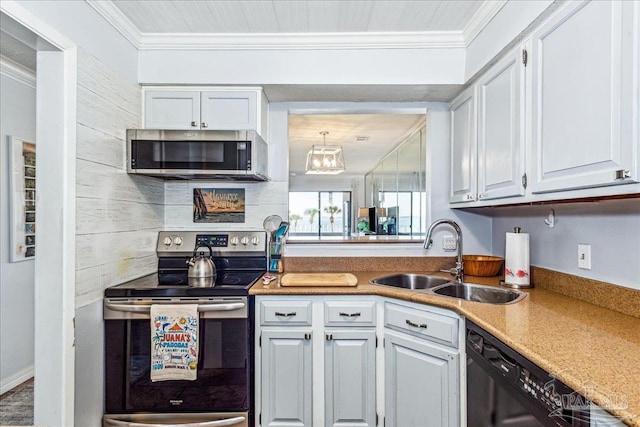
(146, 308)
(217, 423)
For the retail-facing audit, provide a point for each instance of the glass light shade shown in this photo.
(325, 159)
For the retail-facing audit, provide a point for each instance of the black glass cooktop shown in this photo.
(227, 284)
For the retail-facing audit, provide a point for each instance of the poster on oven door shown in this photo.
(174, 342)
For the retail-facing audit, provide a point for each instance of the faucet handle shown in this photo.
(453, 271)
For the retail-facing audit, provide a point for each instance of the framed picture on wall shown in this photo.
(217, 205)
(22, 182)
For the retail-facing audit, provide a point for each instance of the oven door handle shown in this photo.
(217, 423)
(146, 308)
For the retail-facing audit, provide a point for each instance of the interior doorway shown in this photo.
(54, 294)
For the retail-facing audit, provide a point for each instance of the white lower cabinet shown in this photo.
(349, 377)
(286, 377)
(421, 383)
(422, 366)
(318, 363)
(601, 418)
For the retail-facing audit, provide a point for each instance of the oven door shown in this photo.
(224, 372)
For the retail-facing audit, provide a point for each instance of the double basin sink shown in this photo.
(444, 287)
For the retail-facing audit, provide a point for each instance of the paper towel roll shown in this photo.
(516, 259)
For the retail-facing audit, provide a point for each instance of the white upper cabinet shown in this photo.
(501, 141)
(583, 96)
(222, 109)
(233, 110)
(463, 147)
(172, 110)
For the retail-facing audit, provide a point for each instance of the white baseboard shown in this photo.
(16, 379)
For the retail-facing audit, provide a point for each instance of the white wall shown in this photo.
(18, 119)
(118, 217)
(308, 66)
(612, 228)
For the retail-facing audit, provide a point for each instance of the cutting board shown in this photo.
(318, 279)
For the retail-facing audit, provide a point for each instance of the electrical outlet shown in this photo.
(584, 257)
(449, 243)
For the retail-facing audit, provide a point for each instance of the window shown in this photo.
(319, 213)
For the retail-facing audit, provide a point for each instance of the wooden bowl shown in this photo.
(482, 265)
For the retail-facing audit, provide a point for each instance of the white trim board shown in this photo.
(16, 379)
(17, 72)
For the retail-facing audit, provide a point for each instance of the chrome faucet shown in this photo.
(458, 269)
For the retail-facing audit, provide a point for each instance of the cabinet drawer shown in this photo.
(420, 323)
(350, 313)
(296, 313)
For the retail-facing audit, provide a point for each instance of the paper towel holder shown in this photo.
(515, 285)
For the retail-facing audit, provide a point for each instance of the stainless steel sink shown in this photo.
(410, 281)
(479, 293)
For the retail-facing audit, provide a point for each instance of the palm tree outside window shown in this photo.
(318, 213)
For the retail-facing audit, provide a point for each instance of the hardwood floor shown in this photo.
(16, 405)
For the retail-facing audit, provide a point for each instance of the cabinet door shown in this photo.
(463, 147)
(229, 110)
(286, 377)
(171, 110)
(501, 142)
(350, 380)
(421, 383)
(582, 82)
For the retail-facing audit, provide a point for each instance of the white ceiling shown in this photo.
(297, 16)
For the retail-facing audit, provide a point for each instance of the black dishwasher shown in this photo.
(504, 389)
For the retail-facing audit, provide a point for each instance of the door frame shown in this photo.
(54, 358)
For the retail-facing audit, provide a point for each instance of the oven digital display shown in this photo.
(213, 240)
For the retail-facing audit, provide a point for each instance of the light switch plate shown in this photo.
(584, 257)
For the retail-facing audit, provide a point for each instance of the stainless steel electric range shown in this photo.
(222, 394)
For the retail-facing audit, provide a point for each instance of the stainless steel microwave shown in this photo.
(197, 154)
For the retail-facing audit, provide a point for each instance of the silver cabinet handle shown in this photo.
(293, 313)
(357, 314)
(307, 336)
(217, 423)
(194, 124)
(416, 325)
(146, 308)
(205, 125)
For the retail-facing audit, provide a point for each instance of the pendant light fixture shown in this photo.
(325, 159)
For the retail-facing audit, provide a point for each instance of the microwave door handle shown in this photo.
(146, 308)
(218, 423)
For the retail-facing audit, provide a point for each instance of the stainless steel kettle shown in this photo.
(202, 270)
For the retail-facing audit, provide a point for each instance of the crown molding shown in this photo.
(297, 41)
(481, 18)
(17, 72)
(302, 41)
(118, 20)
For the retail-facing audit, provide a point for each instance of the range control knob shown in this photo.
(234, 240)
(177, 240)
(244, 241)
(255, 240)
(167, 241)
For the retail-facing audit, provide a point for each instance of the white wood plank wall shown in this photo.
(118, 216)
(261, 200)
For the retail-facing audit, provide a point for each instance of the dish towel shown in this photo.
(174, 342)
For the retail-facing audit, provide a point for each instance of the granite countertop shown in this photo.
(594, 350)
